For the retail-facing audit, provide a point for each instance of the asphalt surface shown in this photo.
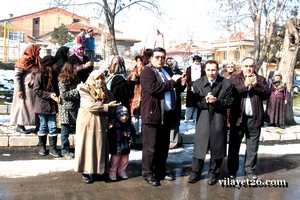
(278, 164)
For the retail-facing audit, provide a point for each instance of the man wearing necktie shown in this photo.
(157, 113)
(213, 96)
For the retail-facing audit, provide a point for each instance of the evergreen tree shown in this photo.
(61, 35)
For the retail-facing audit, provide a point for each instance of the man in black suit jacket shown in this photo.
(157, 112)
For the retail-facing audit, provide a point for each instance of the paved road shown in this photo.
(276, 162)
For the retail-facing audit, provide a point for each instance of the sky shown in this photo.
(179, 21)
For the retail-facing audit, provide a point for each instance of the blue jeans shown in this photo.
(64, 134)
(47, 124)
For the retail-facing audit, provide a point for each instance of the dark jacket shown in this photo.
(84, 73)
(153, 90)
(43, 102)
(212, 124)
(257, 94)
(119, 90)
(121, 138)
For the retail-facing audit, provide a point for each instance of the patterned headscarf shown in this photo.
(76, 52)
(97, 92)
(279, 85)
(117, 66)
(30, 59)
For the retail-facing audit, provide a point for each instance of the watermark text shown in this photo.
(227, 182)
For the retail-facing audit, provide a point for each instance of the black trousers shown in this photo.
(252, 142)
(156, 141)
(214, 166)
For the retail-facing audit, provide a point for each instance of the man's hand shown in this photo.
(183, 79)
(210, 98)
(250, 80)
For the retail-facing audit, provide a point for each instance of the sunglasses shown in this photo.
(160, 57)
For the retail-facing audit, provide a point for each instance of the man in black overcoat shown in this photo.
(213, 97)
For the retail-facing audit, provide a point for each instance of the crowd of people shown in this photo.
(107, 108)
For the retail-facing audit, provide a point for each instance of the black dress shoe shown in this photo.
(194, 178)
(212, 180)
(87, 178)
(152, 181)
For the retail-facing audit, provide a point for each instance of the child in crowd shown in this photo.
(46, 91)
(121, 139)
(69, 105)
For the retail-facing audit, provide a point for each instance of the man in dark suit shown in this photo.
(157, 113)
(213, 96)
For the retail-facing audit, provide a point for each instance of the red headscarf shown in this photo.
(30, 59)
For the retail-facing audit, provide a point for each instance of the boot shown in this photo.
(42, 145)
(52, 142)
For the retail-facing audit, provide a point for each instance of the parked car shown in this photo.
(296, 81)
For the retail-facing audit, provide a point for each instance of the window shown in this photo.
(225, 55)
(36, 27)
(17, 36)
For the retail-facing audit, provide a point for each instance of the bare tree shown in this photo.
(264, 14)
(288, 58)
(110, 9)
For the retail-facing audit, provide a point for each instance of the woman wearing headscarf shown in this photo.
(136, 95)
(118, 83)
(62, 55)
(91, 155)
(22, 112)
(84, 65)
(275, 110)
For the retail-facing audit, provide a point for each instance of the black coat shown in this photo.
(179, 89)
(212, 125)
(121, 138)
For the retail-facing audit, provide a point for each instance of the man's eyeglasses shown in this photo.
(160, 57)
(251, 66)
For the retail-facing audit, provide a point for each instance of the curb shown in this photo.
(19, 139)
